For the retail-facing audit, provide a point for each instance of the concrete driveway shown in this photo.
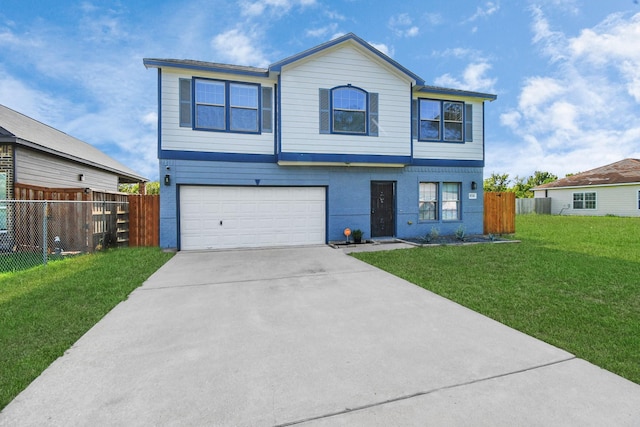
(310, 336)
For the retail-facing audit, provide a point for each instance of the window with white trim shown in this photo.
(428, 201)
(451, 201)
(586, 200)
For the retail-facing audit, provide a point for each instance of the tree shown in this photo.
(152, 187)
(496, 182)
(521, 188)
(540, 178)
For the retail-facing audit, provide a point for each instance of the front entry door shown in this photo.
(383, 215)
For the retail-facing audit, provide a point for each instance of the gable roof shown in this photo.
(347, 38)
(623, 172)
(19, 129)
(276, 67)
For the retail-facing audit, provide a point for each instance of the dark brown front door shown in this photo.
(383, 215)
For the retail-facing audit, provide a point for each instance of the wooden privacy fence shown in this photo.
(499, 213)
(104, 219)
(144, 220)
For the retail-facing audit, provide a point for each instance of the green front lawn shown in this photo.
(573, 282)
(44, 310)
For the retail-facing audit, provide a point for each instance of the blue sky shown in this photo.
(566, 72)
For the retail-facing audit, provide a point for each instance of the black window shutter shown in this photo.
(373, 114)
(325, 113)
(468, 122)
(267, 109)
(185, 102)
(414, 119)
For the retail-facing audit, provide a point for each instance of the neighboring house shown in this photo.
(33, 153)
(613, 189)
(338, 136)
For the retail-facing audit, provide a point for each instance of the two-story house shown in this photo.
(338, 136)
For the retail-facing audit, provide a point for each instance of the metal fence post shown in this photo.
(44, 233)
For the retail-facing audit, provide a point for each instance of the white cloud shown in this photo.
(257, 8)
(383, 48)
(322, 31)
(485, 11)
(473, 78)
(553, 43)
(612, 43)
(238, 48)
(402, 25)
(582, 115)
(433, 19)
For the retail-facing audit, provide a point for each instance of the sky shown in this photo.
(566, 72)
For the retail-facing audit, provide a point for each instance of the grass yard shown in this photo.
(573, 282)
(44, 310)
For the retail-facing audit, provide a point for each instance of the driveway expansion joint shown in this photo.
(423, 393)
(232, 282)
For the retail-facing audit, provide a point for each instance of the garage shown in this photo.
(218, 217)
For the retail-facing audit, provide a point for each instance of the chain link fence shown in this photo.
(35, 232)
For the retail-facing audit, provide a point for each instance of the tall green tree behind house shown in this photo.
(521, 186)
(497, 183)
(151, 188)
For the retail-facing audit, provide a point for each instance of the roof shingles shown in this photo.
(623, 172)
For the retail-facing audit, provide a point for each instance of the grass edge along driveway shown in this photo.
(44, 310)
(573, 282)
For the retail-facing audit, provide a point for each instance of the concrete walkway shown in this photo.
(312, 337)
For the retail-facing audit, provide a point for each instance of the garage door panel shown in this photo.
(251, 216)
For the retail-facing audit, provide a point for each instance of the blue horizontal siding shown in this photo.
(348, 192)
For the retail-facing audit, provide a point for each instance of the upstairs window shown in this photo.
(348, 110)
(225, 106)
(244, 107)
(442, 120)
(584, 200)
(210, 105)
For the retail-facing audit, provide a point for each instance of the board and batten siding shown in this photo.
(300, 86)
(620, 200)
(35, 168)
(175, 137)
(469, 150)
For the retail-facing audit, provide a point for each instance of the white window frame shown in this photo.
(428, 198)
(581, 203)
(447, 202)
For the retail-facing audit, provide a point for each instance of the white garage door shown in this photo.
(244, 217)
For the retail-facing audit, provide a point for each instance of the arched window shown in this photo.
(349, 110)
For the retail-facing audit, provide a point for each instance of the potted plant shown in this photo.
(357, 235)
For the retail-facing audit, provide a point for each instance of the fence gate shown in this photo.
(144, 220)
(499, 213)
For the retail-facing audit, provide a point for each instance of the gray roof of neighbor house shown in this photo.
(25, 131)
(623, 172)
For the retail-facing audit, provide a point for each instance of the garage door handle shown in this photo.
(220, 222)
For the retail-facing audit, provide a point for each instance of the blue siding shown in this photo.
(348, 193)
